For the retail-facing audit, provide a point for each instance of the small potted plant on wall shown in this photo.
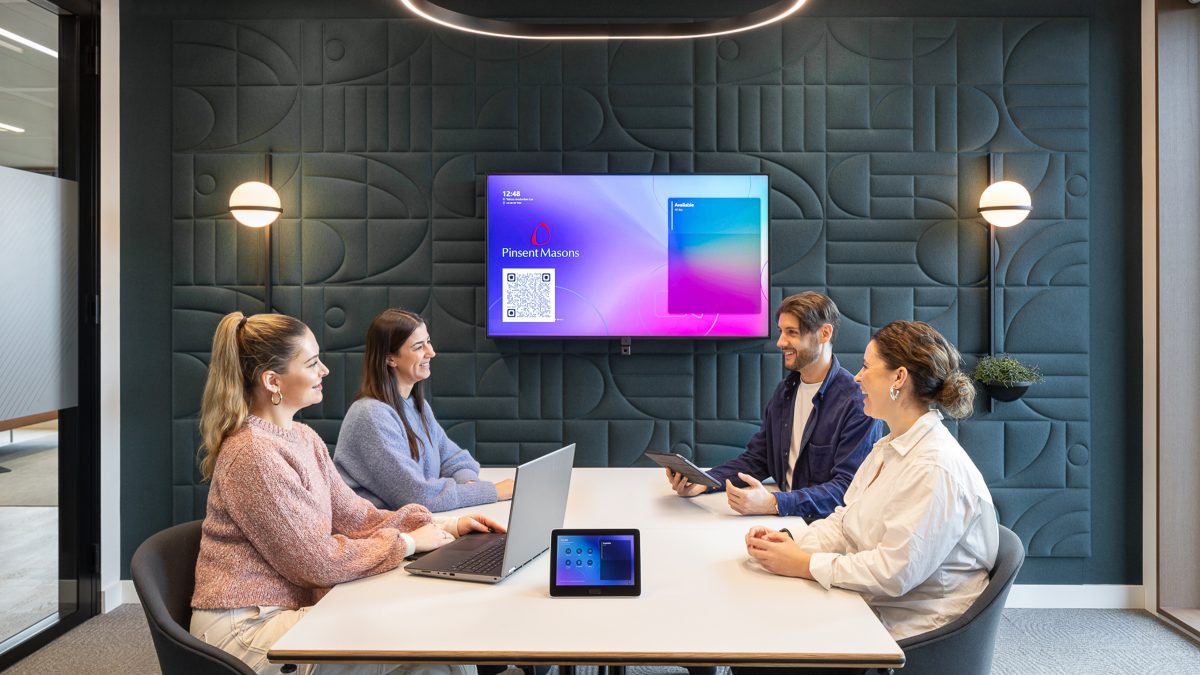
(1005, 378)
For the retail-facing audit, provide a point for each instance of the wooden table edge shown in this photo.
(585, 659)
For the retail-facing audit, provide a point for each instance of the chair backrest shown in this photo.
(966, 645)
(164, 573)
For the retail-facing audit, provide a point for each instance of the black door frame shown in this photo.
(79, 427)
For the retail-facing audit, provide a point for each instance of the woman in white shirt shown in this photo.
(918, 534)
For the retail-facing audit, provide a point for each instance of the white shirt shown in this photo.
(803, 408)
(918, 542)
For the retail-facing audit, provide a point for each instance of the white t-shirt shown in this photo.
(804, 396)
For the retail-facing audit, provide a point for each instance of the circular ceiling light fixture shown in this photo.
(673, 30)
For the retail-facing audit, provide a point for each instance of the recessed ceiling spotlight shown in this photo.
(673, 30)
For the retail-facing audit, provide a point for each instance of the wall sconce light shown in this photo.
(257, 204)
(1004, 203)
(433, 12)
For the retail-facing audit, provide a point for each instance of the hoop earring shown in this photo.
(894, 392)
(277, 398)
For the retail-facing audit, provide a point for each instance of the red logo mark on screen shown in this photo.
(533, 239)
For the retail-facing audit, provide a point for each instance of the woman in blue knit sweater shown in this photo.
(391, 449)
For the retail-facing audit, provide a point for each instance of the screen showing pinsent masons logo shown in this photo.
(627, 256)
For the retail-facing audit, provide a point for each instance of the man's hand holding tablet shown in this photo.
(687, 479)
(682, 486)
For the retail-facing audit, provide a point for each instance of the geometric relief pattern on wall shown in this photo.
(875, 135)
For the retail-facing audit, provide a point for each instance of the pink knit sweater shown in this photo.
(282, 527)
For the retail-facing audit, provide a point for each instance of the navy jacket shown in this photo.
(836, 440)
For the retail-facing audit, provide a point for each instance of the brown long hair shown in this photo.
(932, 363)
(388, 332)
(243, 349)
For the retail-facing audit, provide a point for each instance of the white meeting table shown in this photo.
(703, 601)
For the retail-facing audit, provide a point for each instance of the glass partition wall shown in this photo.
(49, 348)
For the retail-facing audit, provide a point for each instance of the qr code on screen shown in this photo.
(528, 295)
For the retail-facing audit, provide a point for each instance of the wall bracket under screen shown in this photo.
(595, 563)
(626, 346)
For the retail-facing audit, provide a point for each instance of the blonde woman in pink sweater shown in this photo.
(282, 528)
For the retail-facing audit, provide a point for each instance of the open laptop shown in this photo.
(539, 503)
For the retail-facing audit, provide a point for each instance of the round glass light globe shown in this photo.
(1005, 203)
(255, 204)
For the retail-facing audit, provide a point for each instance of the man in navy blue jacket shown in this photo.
(814, 433)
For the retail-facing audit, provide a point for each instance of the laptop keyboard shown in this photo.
(486, 561)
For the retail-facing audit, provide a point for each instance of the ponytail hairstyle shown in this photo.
(387, 334)
(932, 363)
(244, 347)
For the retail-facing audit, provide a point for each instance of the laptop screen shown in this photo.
(538, 506)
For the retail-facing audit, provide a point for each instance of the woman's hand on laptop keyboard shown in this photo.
(477, 522)
(429, 537)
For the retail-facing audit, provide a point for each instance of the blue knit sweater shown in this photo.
(373, 457)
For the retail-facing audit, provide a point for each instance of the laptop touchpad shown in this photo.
(471, 542)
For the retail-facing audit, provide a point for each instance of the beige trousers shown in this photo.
(248, 632)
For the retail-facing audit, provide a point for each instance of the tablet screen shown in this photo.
(594, 560)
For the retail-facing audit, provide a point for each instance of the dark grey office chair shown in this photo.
(164, 573)
(966, 645)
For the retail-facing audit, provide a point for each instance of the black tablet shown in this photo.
(680, 464)
(595, 563)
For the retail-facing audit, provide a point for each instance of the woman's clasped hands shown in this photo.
(777, 552)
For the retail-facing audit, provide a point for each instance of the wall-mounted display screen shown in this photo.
(627, 256)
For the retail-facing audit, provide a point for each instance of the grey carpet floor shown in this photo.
(29, 585)
(1030, 641)
(28, 566)
(1091, 641)
(33, 471)
(117, 642)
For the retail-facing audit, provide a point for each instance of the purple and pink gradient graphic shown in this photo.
(712, 264)
(594, 560)
(623, 266)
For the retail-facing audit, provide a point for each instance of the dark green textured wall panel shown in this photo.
(888, 121)
(874, 132)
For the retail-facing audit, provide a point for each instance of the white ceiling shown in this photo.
(28, 87)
